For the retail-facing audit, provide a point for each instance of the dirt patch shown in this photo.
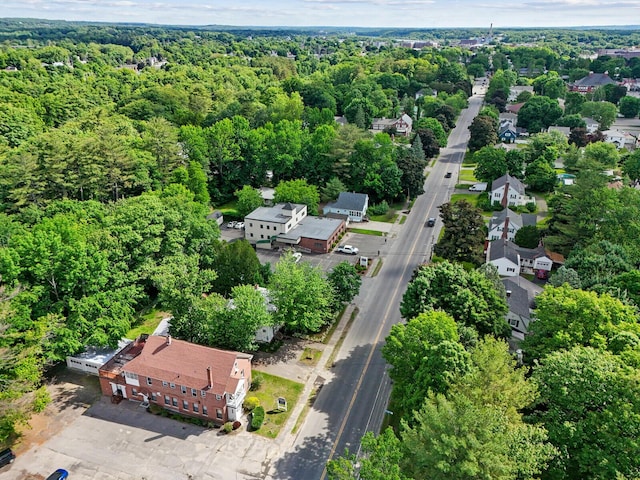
(71, 394)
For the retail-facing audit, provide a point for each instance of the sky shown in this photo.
(356, 13)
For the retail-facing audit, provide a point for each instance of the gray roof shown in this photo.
(520, 220)
(530, 253)
(317, 228)
(503, 248)
(508, 179)
(594, 80)
(274, 214)
(350, 201)
(517, 298)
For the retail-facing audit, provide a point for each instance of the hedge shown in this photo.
(257, 417)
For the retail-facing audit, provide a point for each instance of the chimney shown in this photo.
(168, 339)
(210, 377)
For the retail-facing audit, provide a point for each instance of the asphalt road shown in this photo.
(354, 400)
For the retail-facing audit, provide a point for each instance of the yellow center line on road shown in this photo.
(385, 318)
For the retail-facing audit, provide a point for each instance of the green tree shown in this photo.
(565, 275)
(471, 298)
(550, 85)
(631, 165)
(345, 282)
(602, 112)
(235, 263)
(412, 164)
(538, 113)
(298, 191)
(301, 295)
(629, 106)
(540, 176)
(426, 356)
(589, 405)
(528, 237)
(332, 189)
(464, 233)
(249, 199)
(436, 127)
(605, 154)
(491, 163)
(566, 317)
(484, 132)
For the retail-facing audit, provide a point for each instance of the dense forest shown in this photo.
(117, 141)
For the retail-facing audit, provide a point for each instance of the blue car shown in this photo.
(59, 474)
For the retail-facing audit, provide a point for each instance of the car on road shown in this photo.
(59, 474)
(448, 175)
(6, 457)
(231, 224)
(431, 222)
(348, 249)
(239, 226)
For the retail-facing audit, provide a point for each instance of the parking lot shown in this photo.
(368, 245)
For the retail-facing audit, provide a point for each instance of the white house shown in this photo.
(505, 224)
(508, 191)
(521, 294)
(591, 124)
(512, 260)
(265, 223)
(517, 90)
(618, 138)
(402, 125)
(354, 205)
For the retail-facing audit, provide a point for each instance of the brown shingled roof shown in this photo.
(186, 364)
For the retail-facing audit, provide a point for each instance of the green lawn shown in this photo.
(146, 324)
(310, 356)
(366, 232)
(273, 387)
(472, 198)
(466, 175)
(228, 209)
(389, 217)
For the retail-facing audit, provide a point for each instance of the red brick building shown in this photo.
(189, 379)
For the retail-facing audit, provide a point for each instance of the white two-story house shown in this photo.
(508, 191)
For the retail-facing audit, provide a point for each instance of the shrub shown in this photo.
(531, 206)
(227, 427)
(250, 403)
(155, 409)
(256, 381)
(257, 417)
(41, 399)
(236, 425)
(379, 209)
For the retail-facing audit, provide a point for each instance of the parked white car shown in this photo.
(348, 249)
(231, 224)
(239, 225)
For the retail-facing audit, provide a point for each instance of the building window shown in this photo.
(134, 391)
(185, 405)
(219, 413)
(261, 226)
(183, 389)
(196, 408)
(149, 381)
(194, 392)
(267, 227)
(509, 269)
(167, 400)
(172, 385)
(251, 234)
(154, 397)
(175, 401)
(204, 410)
(218, 397)
(202, 393)
(250, 224)
(261, 236)
(164, 384)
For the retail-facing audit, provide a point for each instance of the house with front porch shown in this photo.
(401, 125)
(182, 377)
(505, 224)
(508, 191)
(353, 205)
(512, 260)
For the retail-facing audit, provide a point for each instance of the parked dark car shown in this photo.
(431, 222)
(448, 175)
(6, 457)
(59, 474)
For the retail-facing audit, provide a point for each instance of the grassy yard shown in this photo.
(146, 324)
(310, 356)
(389, 217)
(228, 210)
(472, 198)
(364, 231)
(466, 175)
(273, 387)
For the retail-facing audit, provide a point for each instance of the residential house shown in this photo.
(566, 131)
(507, 117)
(507, 133)
(268, 195)
(514, 107)
(521, 295)
(509, 192)
(287, 225)
(352, 204)
(216, 216)
(517, 90)
(512, 260)
(341, 120)
(619, 139)
(591, 124)
(401, 125)
(505, 224)
(179, 376)
(591, 82)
